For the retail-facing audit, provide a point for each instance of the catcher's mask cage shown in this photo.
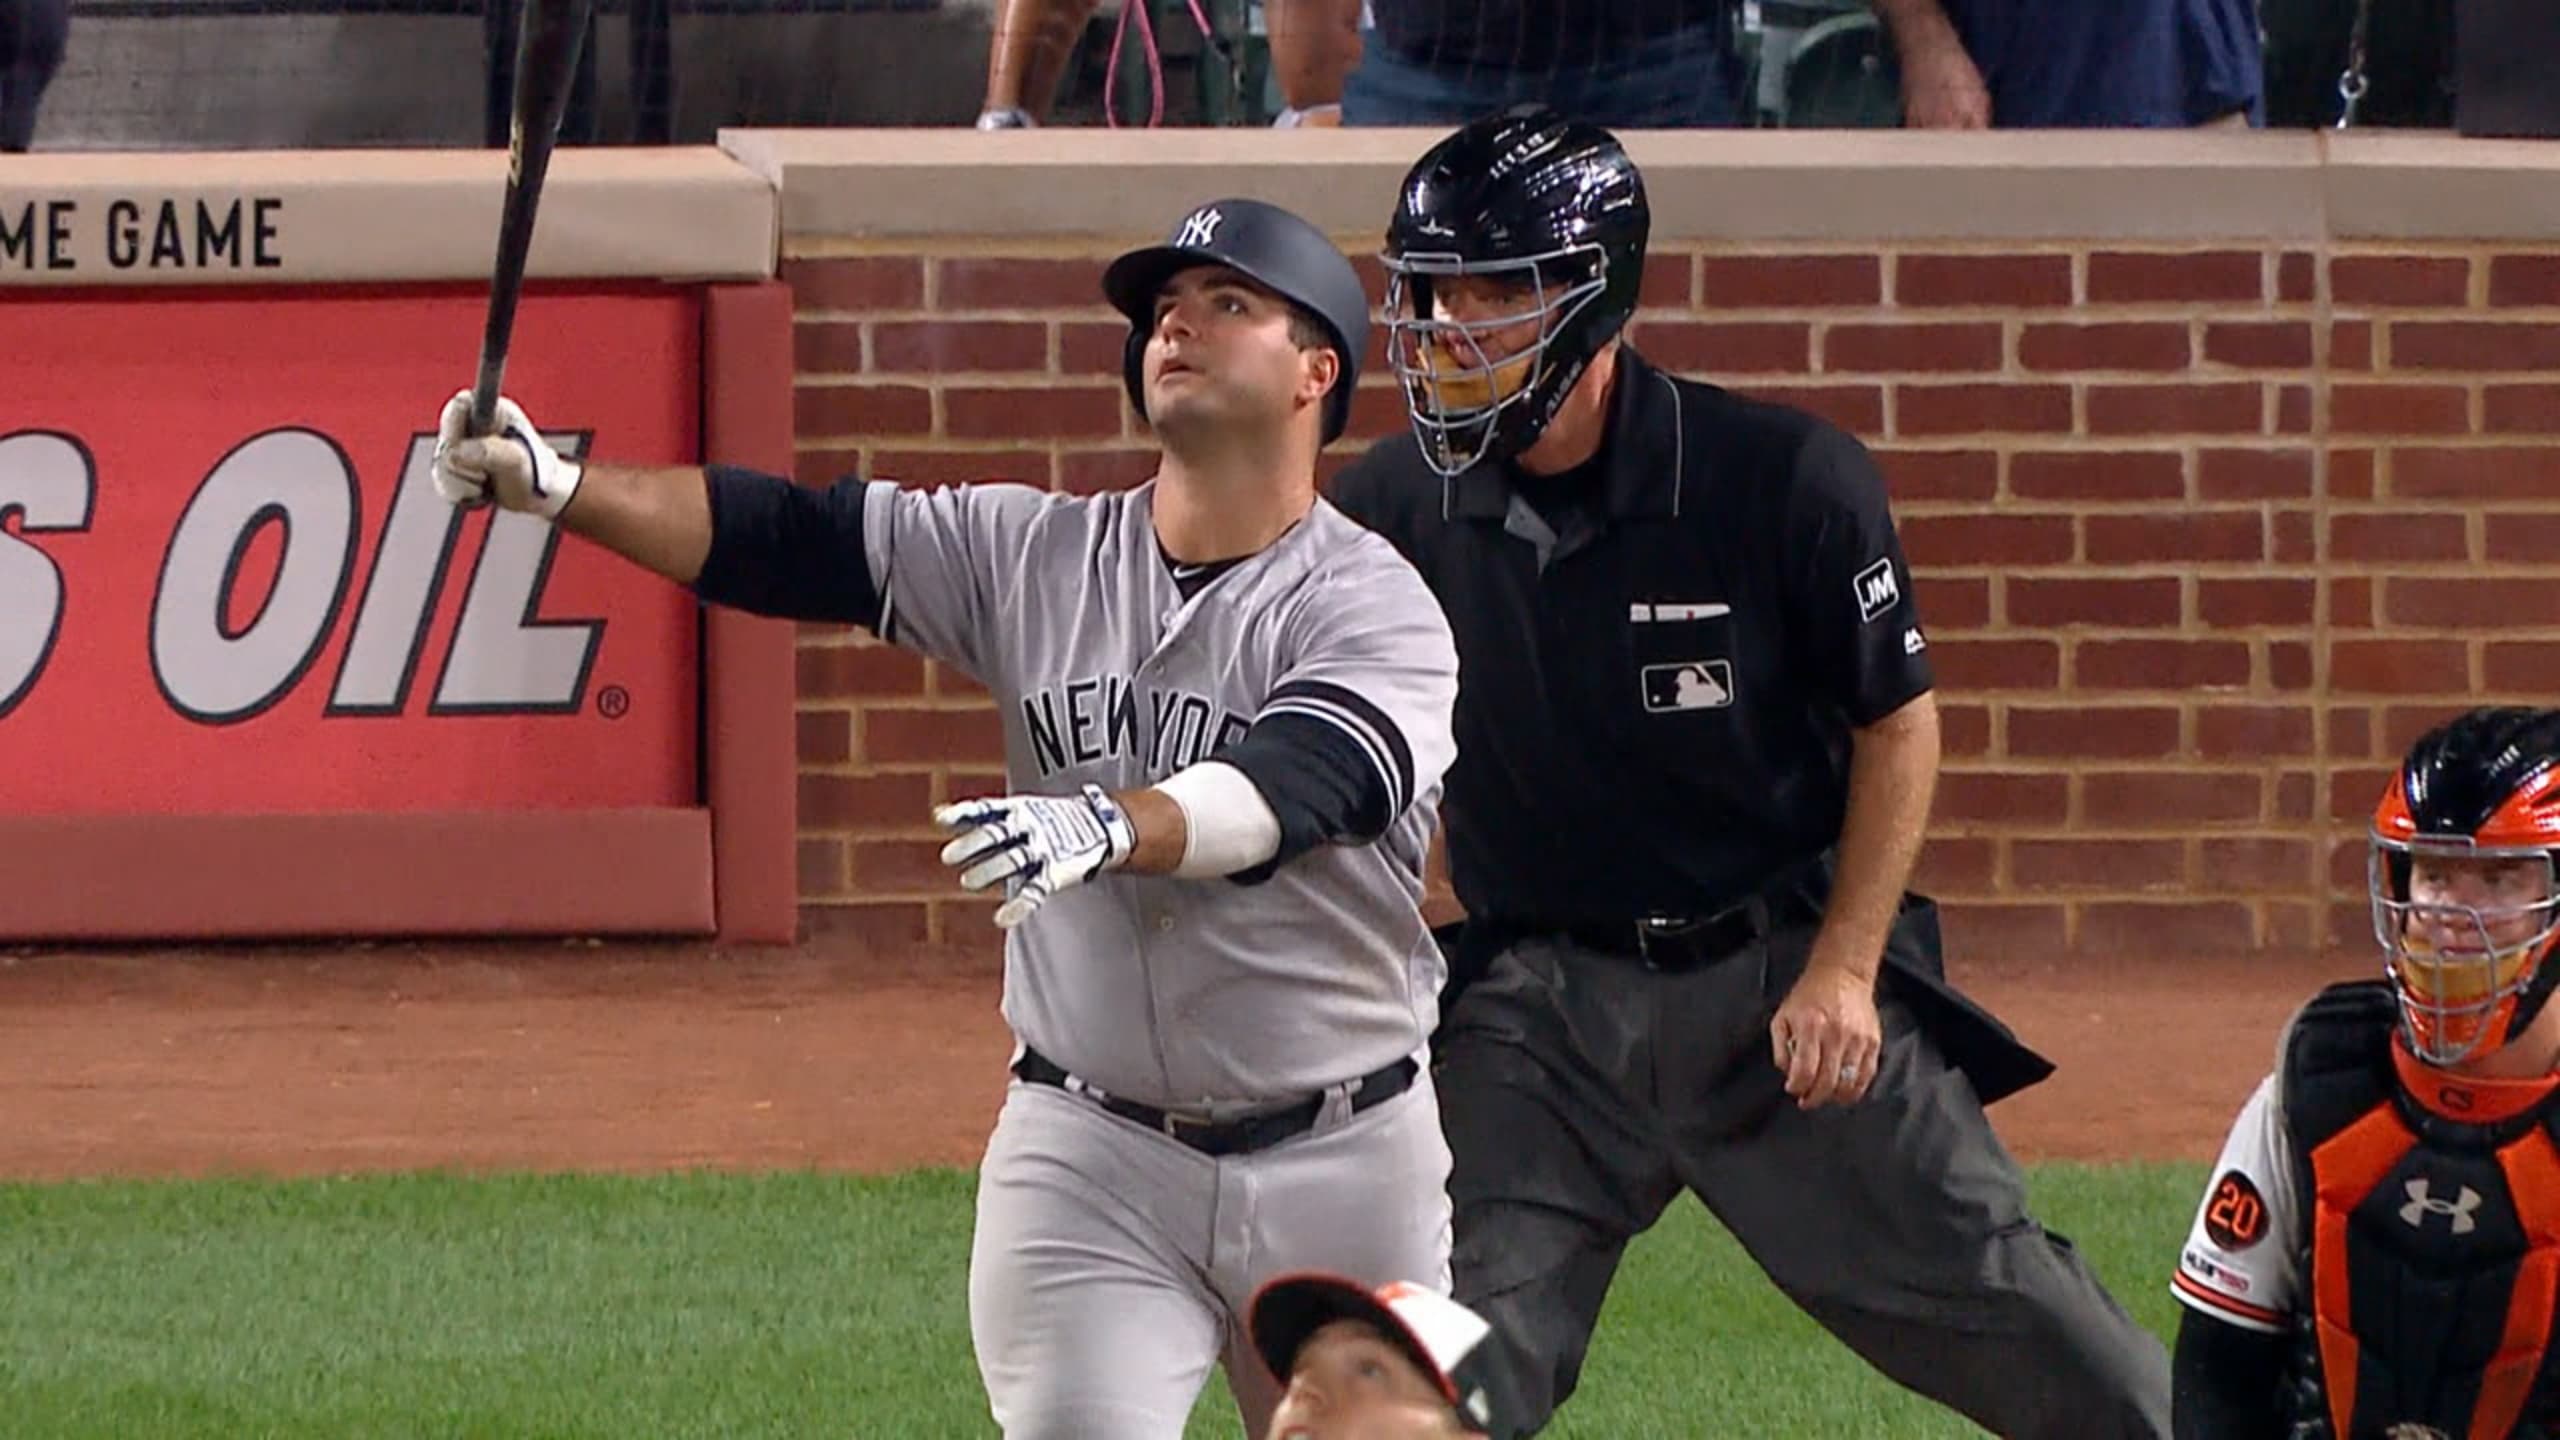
(2465, 1004)
(1460, 407)
(2481, 789)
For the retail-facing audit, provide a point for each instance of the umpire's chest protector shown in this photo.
(2434, 1240)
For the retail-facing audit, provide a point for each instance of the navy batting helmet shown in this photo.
(1277, 250)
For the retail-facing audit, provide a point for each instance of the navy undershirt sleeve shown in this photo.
(787, 550)
(1321, 781)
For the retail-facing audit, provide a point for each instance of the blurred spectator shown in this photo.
(1027, 57)
(2077, 64)
(651, 75)
(1313, 44)
(32, 35)
(1626, 64)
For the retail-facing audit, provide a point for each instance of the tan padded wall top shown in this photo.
(856, 186)
(706, 213)
(267, 217)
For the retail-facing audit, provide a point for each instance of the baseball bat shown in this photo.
(546, 63)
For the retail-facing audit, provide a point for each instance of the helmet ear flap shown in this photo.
(1133, 369)
(1337, 405)
(1532, 420)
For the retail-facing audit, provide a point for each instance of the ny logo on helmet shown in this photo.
(2422, 1204)
(1200, 228)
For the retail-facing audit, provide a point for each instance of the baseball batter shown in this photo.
(1226, 717)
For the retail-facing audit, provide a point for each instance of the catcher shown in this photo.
(1397, 1363)
(2378, 1254)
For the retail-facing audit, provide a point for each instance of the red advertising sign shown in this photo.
(227, 585)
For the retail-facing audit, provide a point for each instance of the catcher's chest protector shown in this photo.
(2434, 1264)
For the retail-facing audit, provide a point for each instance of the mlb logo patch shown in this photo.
(1688, 685)
(1877, 590)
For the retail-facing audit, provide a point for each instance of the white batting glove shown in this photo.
(1035, 845)
(513, 467)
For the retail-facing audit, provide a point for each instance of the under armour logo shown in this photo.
(1200, 229)
(2421, 1204)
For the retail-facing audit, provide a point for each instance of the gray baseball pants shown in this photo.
(1582, 1092)
(1112, 1265)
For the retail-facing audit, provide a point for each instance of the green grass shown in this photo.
(707, 1305)
(1694, 1333)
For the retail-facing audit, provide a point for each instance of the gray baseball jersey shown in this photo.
(1173, 992)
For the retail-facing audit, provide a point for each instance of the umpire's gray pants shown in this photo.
(1582, 1092)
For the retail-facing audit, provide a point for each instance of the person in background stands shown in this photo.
(1314, 43)
(651, 76)
(2077, 64)
(32, 36)
(1629, 64)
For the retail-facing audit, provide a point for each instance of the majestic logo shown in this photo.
(1689, 685)
(1913, 642)
(2422, 1204)
(1877, 590)
(1200, 229)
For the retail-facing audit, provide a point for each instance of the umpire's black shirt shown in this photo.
(1660, 658)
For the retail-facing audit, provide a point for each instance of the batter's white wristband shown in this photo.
(1227, 825)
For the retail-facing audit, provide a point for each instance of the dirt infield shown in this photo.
(629, 1057)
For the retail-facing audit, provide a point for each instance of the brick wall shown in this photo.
(2204, 537)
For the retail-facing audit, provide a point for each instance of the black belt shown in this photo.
(1793, 895)
(1664, 942)
(1675, 942)
(1226, 1137)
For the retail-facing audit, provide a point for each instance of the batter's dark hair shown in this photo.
(1309, 333)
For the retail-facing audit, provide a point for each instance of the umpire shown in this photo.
(1696, 745)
